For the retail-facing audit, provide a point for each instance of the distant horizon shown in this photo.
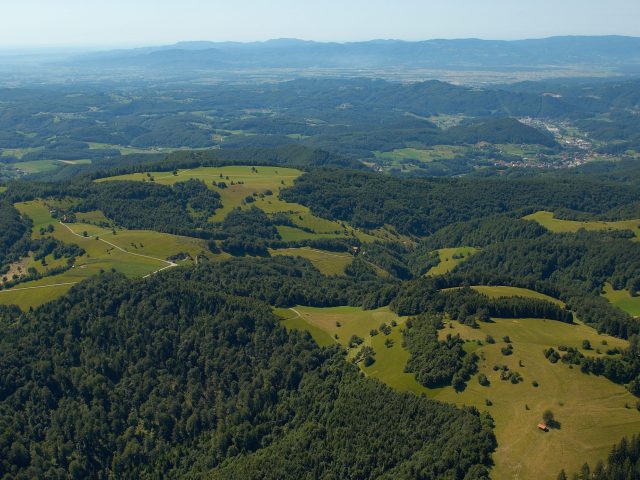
(64, 48)
(125, 24)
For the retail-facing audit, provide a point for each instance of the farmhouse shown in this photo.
(543, 427)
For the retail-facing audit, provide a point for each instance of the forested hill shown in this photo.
(172, 376)
(422, 206)
(14, 234)
(611, 51)
(289, 155)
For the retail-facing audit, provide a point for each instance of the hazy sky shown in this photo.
(150, 22)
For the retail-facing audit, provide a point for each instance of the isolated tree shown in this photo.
(549, 419)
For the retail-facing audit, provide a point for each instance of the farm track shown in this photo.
(169, 264)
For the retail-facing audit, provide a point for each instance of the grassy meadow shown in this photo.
(450, 258)
(260, 180)
(623, 300)
(548, 221)
(594, 413)
(138, 253)
(134, 253)
(425, 155)
(329, 263)
(37, 166)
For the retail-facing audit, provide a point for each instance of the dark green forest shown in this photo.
(622, 463)
(176, 375)
(423, 206)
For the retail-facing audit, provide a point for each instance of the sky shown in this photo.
(121, 23)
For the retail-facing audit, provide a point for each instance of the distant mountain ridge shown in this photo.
(616, 53)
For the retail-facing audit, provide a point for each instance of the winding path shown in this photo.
(169, 263)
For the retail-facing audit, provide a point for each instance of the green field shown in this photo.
(3, 189)
(425, 155)
(519, 150)
(37, 166)
(353, 320)
(329, 263)
(592, 410)
(95, 217)
(623, 300)
(25, 297)
(293, 321)
(248, 182)
(126, 150)
(447, 260)
(135, 253)
(322, 324)
(548, 221)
